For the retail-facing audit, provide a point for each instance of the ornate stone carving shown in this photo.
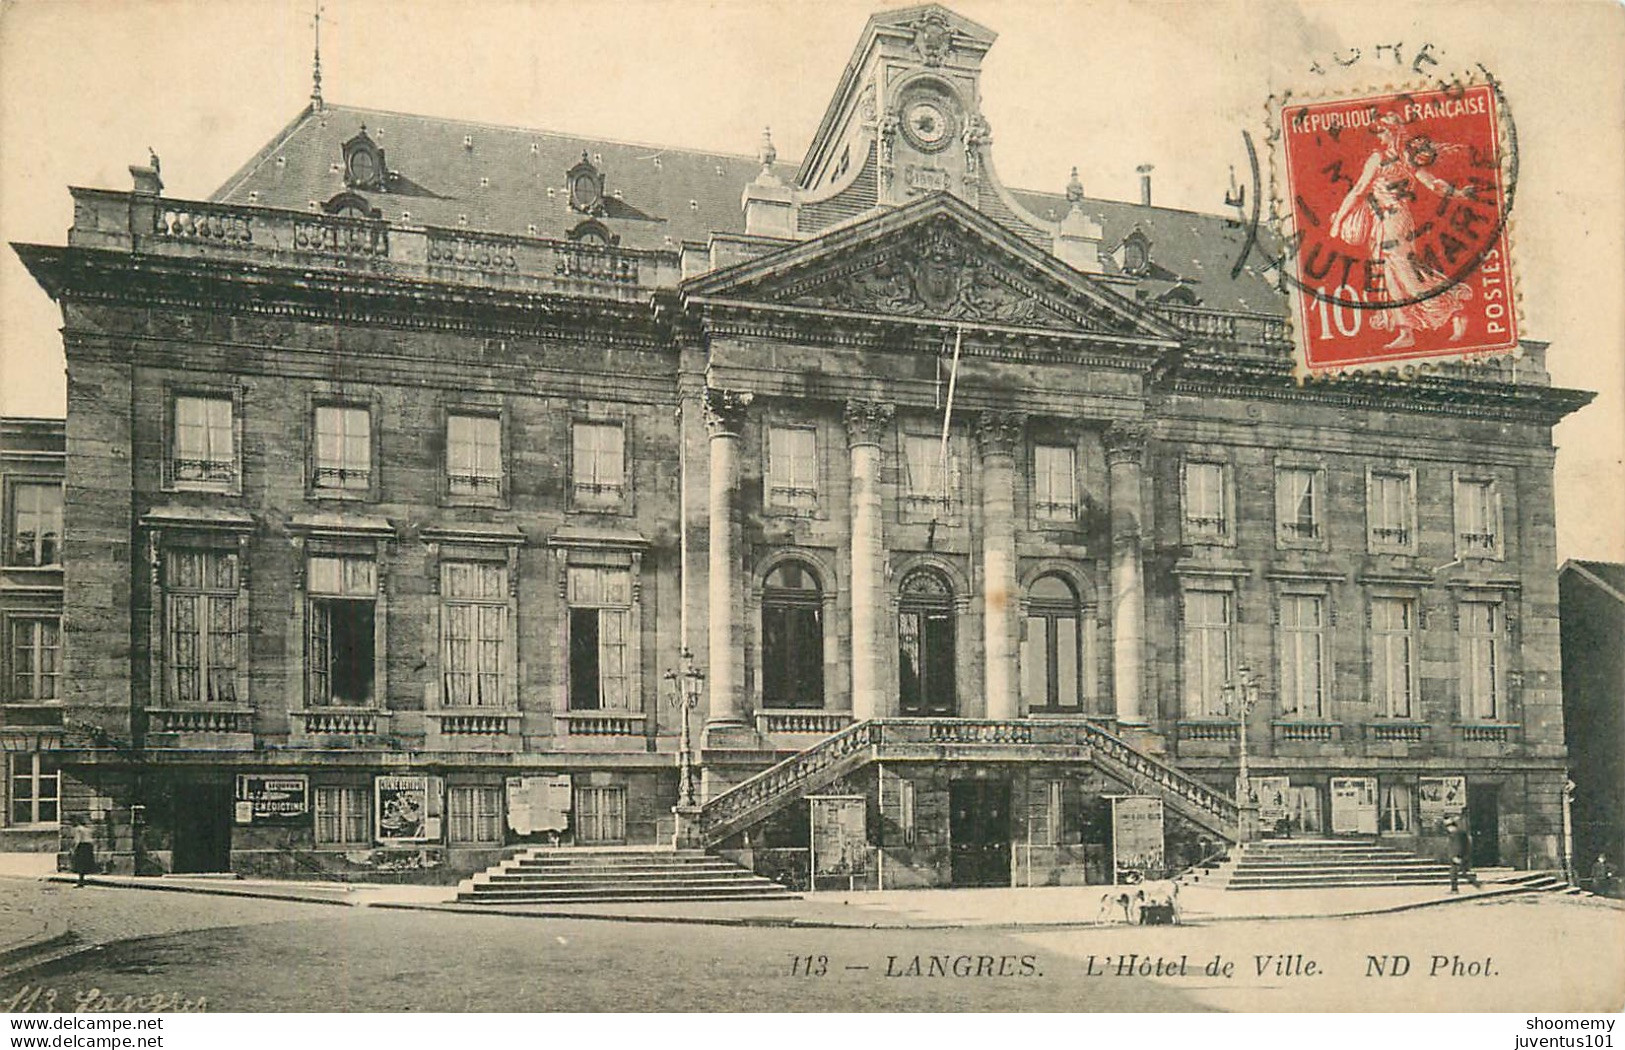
(867, 422)
(725, 410)
(937, 276)
(999, 433)
(1125, 441)
(933, 38)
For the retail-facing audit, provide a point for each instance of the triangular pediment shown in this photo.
(935, 260)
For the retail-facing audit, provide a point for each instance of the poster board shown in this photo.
(1439, 799)
(406, 809)
(840, 839)
(1354, 805)
(261, 798)
(539, 804)
(1137, 835)
(1271, 795)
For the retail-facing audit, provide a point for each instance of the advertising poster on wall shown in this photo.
(840, 840)
(539, 805)
(1137, 840)
(1354, 805)
(407, 809)
(1439, 799)
(1271, 794)
(280, 799)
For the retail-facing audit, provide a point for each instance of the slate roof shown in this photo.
(1610, 573)
(656, 196)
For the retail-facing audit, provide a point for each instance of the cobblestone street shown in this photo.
(1542, 952)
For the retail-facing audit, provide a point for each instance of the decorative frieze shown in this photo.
(868, 422)
(1125, 441)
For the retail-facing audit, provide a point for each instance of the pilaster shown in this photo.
(1125, 454)
(999, 435)
(867, 424)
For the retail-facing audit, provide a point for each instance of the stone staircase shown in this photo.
(587, 875)
(1281, 864)
(884, 739)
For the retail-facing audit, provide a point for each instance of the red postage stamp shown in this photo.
(1398, 244)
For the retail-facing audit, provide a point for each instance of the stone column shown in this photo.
(867, 423)
(725, 676)
(1125, 449)
(998, 434)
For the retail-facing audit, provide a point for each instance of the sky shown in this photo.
(87, 86)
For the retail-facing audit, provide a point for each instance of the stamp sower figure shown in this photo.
(83, 856)
(1376, 214)
(1461, 847)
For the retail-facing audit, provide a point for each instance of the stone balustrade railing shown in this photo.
(282, 237)
(598, 723)
(1391, 732)
(1264, 332)
(338, 722)
(474, 723)
(1312, 732)
(820, 722)
(1486, 732)
(199, 720)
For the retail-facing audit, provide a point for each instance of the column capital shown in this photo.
(867, 422)
(1125, 440)
(998, 433)
(725, 410)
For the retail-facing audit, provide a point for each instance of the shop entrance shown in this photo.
(979, 832)
(202, 826)
(1484, 824)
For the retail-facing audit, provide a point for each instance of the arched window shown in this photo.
(792, 638)
(925, 645)
(1052, 649)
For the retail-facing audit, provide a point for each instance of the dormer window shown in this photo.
(591, 231)
(1135, 255)
(363, 162)
(586, 185)
(351, 206)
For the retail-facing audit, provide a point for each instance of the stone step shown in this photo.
(703, 879)
(665, 863)
(1327, 881)
(626, 896)
(629, 872)
(1420, 867)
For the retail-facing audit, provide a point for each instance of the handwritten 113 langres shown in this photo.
(45, 999)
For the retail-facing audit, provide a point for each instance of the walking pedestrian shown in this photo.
(1461, 852)
(83, 854)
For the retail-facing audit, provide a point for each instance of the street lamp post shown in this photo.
(1240, 697)
(687, 683)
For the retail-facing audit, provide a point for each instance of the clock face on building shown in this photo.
(584, 191)
(930, 121)
(363, 168)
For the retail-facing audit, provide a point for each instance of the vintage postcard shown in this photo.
(513, 505)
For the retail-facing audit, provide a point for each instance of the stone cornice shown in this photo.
(867, 422)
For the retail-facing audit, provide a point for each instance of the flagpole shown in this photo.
(947, 417)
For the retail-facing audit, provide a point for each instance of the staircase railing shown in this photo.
(1222, 813)
(721, 815)
(733, 809)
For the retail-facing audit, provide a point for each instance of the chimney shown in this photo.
(1145, 184)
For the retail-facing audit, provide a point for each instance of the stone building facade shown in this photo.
(31, 700)
(403, 470)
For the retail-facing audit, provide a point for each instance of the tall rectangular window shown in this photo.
(36, 789)
(204, 451)
(340, 651)
(473, 455)
(600, 815)
(1303, 654)
(343, 815)
(36, 659)
(1481, 652)
(931, 488)
(1394, 808)
(598, 463)
(1205, 513)
(1297, 504)
(343, 448)
(792, 466)
(600, 602)
(474, 632)
(1393, 643)
(474, 814)
(1055, 483)
(1207, 652)
(1478, 519)
(200, 600)
(36, 524)
(1391, 506)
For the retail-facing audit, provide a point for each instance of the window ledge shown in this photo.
(801, 720)
(340, 721)
(603, 723)
(474, 721)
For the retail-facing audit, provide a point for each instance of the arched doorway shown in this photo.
(925, 646)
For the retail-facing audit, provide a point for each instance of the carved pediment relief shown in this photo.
(942, 273)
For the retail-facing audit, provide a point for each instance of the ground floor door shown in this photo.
(1484, 824)
(979, 832)
(202, 826)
